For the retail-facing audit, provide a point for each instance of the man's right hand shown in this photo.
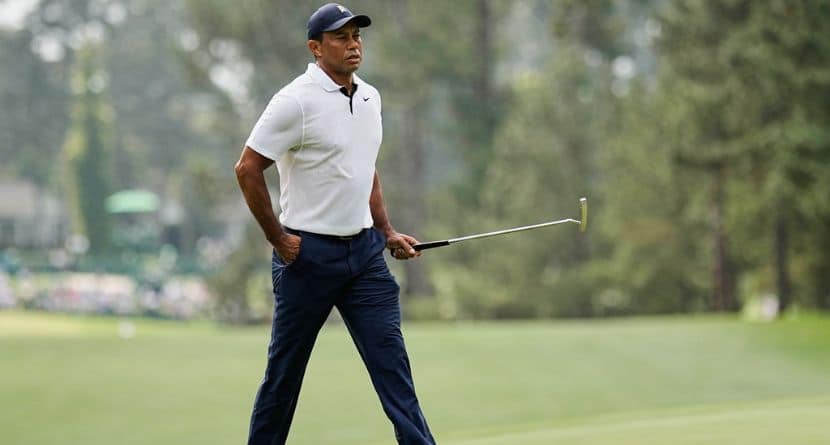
(288, 247)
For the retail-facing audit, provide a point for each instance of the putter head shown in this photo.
(583, 213)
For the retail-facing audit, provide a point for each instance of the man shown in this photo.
(323, 131)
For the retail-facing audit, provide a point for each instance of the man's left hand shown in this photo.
(400, 246)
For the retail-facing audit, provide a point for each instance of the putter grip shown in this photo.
(431, 245)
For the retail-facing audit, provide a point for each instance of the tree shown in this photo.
(233, 282)
(88, 150)
(32, 100)
(563, 121)
(779, 56)
(164, 124)
(655, 262)
(742, 120)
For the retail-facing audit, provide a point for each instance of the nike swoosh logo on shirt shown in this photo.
(366, 99)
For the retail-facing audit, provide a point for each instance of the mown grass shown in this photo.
(74, 380)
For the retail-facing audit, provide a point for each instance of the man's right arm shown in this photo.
(279, 129)
(250, 175)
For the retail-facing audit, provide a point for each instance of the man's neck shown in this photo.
(344, 80)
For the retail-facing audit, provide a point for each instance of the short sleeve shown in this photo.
(279, 128)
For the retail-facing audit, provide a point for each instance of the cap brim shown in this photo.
(361, 21)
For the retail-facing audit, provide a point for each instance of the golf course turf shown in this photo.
(679, 380)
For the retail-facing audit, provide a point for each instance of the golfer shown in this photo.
(323, 131)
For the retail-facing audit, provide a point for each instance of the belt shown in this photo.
(323, 236)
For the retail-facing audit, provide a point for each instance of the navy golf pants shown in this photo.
(351, 275)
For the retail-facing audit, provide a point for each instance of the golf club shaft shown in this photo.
(433, 244)
(515, 229)
(582, 222)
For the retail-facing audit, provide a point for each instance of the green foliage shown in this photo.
(657, 261)
(688, 173)
(543, 161)
(697, 129)
(242, 284)
(751, 112)
(33, 95)
(545, 157)
(88, 152)
(596, 24)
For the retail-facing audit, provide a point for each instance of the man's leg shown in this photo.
(302, 305)
(371, 312)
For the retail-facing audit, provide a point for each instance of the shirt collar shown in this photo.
(321, 78)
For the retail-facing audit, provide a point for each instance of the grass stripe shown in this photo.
(817, 411)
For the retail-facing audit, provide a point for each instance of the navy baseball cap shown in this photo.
(332, 16)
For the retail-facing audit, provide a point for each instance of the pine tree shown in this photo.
(747, 81)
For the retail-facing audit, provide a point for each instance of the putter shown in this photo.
(582, 222)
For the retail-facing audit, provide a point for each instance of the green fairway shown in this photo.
(70, 380)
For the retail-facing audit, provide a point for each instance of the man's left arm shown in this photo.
(399, 244)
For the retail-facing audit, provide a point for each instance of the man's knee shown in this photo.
(385, 347)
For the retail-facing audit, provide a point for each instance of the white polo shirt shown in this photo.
(325, 147)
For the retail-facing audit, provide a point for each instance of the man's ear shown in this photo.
(314, 47)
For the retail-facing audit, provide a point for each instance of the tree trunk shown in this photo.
(820, 270)
(782, 262)
(480, 129)
(484, 49)
(411, 170)
(414, 208)
(722, 298)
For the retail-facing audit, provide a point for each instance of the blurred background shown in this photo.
(698, 130)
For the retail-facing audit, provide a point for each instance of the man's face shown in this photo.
(340, 50)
